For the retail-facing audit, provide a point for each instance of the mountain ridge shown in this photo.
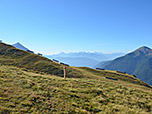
(137, 62)
(9, 55)
(12, 56)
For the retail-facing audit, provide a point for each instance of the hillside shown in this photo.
(12, 56)
(26, 92)
(138, 62)
(30, 83)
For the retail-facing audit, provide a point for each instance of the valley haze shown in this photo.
(78, 59)
(87, 59)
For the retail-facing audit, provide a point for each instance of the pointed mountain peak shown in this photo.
(18, 43)
(144, 49)
(20, 46)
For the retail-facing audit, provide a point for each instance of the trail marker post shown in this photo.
(64, 71)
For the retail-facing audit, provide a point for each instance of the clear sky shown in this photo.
(53, 26)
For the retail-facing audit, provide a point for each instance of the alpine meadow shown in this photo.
(75, 56)
(30, 83)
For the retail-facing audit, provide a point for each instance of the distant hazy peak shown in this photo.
(17, 43)
(20, 46)
(144, 49)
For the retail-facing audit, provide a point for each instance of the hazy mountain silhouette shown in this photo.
(87, 59)
(20, 46)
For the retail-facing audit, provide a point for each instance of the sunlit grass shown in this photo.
(28, 92)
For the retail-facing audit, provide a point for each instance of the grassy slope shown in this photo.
(28, 92)
(12, 56)
(113, 74)
(31, 87)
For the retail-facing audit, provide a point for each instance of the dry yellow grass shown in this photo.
(28, 92)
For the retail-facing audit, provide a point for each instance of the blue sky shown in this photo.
(53, 26)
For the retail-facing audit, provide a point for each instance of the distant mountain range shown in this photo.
(138, 62)
(78, 59)
(87, 59)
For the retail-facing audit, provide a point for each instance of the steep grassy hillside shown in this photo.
(12, 56)
(26, 92)
(33, 84)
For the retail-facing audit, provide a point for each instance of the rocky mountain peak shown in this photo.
(143, 50)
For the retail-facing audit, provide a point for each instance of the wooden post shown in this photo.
(64, 71)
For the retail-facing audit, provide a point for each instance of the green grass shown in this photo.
(27, 92)
(12, 56)
(113, 74)
(33, 84)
